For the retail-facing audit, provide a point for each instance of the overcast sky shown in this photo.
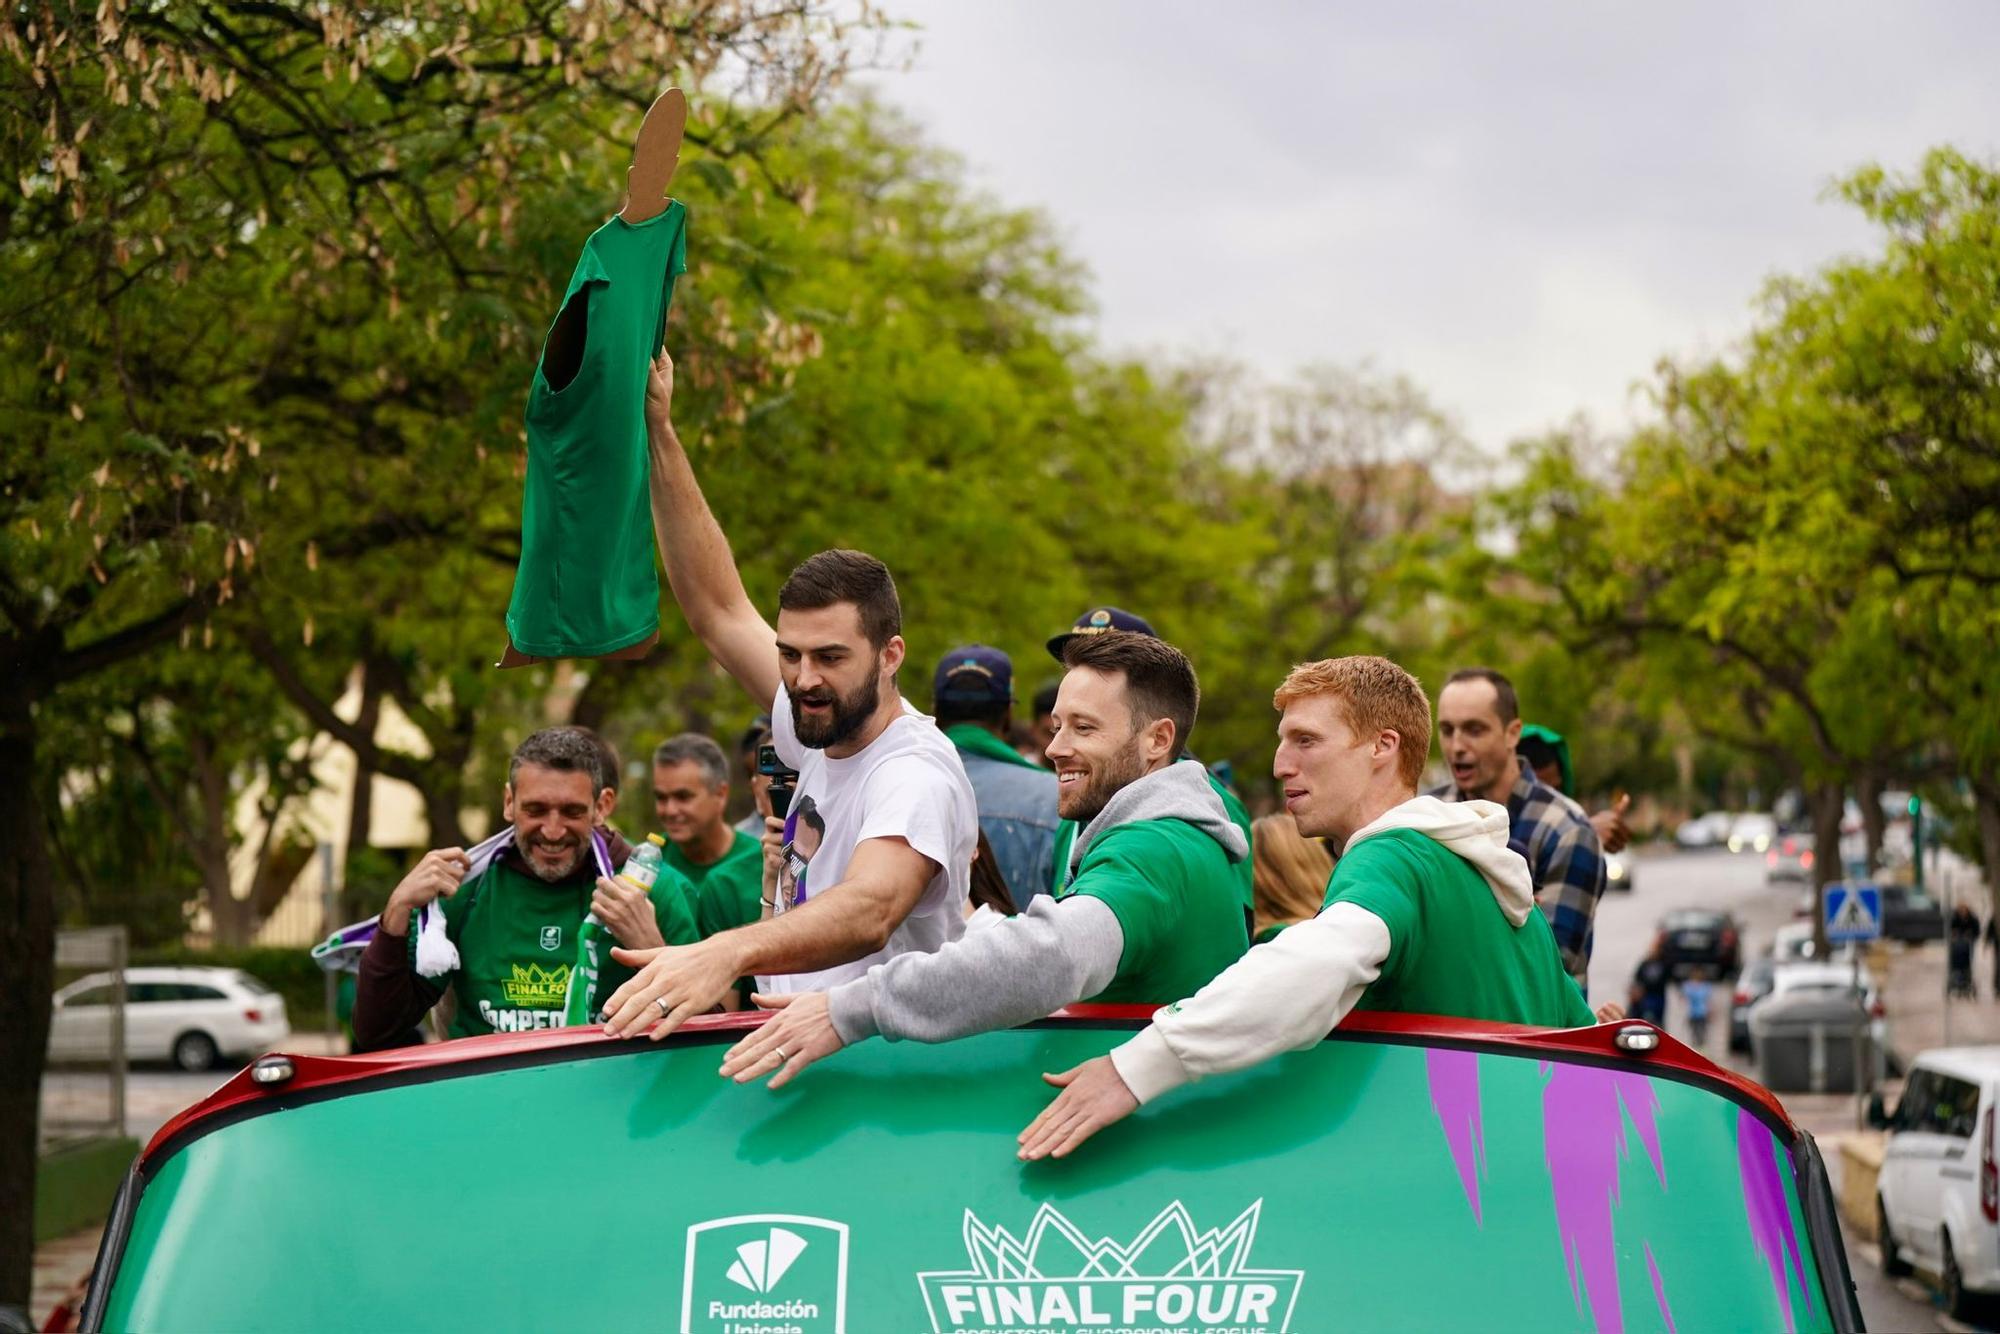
(1521, 205)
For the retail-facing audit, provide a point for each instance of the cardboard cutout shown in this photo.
(586, 586)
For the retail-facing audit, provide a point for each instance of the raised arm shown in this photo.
(700, 568)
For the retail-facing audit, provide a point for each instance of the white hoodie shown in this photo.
(1292, 991)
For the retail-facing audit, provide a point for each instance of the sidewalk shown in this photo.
(60, 1266)
(1912, 983)
(61, 1263)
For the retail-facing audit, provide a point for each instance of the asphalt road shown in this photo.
(1734, 883)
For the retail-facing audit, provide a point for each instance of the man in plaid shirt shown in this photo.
(1479, 720)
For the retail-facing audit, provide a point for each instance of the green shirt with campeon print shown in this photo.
(516, 939)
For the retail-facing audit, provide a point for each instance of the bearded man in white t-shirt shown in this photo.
(880, 837)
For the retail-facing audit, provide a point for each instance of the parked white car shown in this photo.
(1792, 943)
(1938, 1197)
(1753, 833)
(1704, 831)
(1828, 975)
(193, 1017)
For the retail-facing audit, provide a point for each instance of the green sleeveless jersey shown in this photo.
(586, 584)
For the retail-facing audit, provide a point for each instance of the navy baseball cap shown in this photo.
(974, 674)
(1097, 621)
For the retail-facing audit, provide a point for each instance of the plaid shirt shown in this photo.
(1560, 845)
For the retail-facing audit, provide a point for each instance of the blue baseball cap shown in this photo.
(1097, 621)
(974, 674)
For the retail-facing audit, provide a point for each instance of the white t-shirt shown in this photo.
(907, 783)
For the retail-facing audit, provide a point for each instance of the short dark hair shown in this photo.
(1505, 700)
(570, 750)
(1159, 680)
(988, 712)
(694, 748)
(1538, 753)
(833, 577)
(610, 761)
(1045, 699)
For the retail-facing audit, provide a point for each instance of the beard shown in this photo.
(551, 862)
(846, 716)
(1085, 801)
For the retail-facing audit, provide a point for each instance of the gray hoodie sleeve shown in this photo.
(1023, 968)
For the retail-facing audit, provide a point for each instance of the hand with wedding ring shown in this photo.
(799, 1032)
(674, 982)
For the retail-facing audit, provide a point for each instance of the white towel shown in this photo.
(436, 955)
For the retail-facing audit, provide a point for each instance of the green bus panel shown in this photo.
(1360, 1185)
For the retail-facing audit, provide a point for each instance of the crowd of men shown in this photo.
(917, 877)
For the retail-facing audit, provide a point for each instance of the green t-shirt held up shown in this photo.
(1173, 890)
(586, 585)
(516, 939)
(1451, 948)
(727, 891)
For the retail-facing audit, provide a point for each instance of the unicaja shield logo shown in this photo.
(761, 1263)
(551, 937)
(1172, 1278)
(765, 1274)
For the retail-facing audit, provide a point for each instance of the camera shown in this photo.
(783, 781)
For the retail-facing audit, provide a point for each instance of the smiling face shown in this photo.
(688, 806)
(1334, 782)
(1098, 747)
(552, 811)
(836, 678)
(1477, 745)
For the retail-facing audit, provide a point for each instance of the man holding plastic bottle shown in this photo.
(500, 925)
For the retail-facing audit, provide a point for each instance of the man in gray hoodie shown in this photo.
(1150, 910)
(1429, 911)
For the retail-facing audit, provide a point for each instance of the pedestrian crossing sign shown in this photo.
(1853, 913)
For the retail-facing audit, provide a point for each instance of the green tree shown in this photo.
(184, 168)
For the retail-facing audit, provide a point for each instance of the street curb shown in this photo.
(1915, 1289)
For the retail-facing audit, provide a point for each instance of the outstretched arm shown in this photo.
(700, 568)
(885, 882)
(1056, 953)
(1280, 996)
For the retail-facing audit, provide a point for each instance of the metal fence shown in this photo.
(83, 1091)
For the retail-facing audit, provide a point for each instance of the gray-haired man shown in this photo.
(507, 940)
(725, 865)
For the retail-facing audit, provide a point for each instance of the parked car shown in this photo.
(1828, 975)
(1790, 859)
(194, 1017)
(1691, 938)
(1937, 1199)
(1910, 914)
(1754, 832)
(1618, 871)
(1752, 985)
(1704, 831)
(1792, 942)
